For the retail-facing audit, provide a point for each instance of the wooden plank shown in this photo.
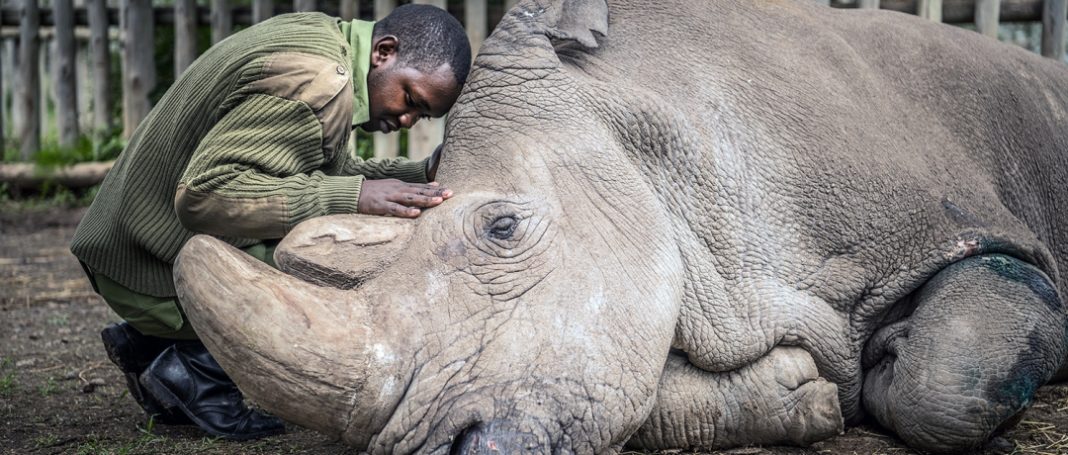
(475, 23)
(987, 13)
(931, 10)
(100, 62)
(1053, 20)
(302, 6)
(872, 4)
(63, 71)
(85, 85)
(138, 65)
(262, 10)
(221, 20)
(185, 35)
(350, 9)
(386, 145)
(26, 97)
(426, 134)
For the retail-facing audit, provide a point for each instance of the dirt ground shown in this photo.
(59, 393)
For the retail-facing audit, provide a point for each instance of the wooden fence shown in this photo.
(94, 24)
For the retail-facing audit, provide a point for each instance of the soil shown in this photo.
(60, 394)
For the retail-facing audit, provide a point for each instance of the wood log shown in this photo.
(386, 145)
(185, 35)
(28, 176)
(138, 64)
(303, 6)
(987, 13)
(65, 79)
(26, 97)
(475, 23)
(100, 61)
(1053, 19)
(262, 10)
(221, 20)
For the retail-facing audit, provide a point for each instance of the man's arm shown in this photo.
(256, 175)
(422, 171)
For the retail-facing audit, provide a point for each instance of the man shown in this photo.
(250, 141)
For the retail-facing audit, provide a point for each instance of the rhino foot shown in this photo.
(779, 399)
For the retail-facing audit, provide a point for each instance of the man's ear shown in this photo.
(383, 50)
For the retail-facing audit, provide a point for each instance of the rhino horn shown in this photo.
(343, 251)
(317, 355)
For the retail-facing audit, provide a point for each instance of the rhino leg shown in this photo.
(985, 333)
(778, 399)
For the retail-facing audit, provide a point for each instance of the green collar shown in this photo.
(359, 34)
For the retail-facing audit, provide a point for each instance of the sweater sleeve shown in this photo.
(387, 168)
(257, 173)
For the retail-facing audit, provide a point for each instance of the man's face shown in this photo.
(400, 95)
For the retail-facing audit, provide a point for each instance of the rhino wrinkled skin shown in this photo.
(683, 224)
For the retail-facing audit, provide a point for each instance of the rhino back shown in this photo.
(873, 136)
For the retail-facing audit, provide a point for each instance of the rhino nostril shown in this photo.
(495, 438)
(467, 441)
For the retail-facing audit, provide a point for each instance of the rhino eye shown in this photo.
(502, 227)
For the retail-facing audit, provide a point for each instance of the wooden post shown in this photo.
(1054, 14)
(26, 96)
(987, 13)
(262, 10)
(428, 133)
(873, 4)
(931, 10)
(221, 20)
(3, 97)
(509, 4)
(185, 35)
(100, 61)
(138, 64)
(475, 23)
(66, 91)
(350, 9)
(302, 6)
(386, 145)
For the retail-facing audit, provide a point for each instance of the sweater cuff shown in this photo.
(411, 171)
(340, 194)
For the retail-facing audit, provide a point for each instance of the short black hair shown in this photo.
(428, 37)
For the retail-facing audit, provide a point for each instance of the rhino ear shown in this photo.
(578, 21)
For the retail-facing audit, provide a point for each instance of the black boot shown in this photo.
(185, 377)
(132, 352)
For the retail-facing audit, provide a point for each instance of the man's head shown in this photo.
(420, 57)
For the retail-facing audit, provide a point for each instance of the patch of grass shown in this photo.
(49, 387)
(59, 320)
(8, 383)
(49, 196)
(47, 440)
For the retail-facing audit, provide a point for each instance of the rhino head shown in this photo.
(533, 311)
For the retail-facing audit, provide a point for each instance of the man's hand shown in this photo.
(392, 197)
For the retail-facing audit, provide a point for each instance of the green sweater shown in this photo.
(249, 142)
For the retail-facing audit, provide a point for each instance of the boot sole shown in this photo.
(161, 393)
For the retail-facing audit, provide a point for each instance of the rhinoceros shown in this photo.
(683, 224)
